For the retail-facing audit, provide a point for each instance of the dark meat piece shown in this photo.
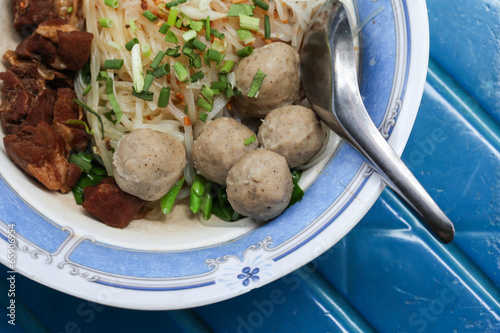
(38, 48)
(110, 204)
(74, 48)
(49, 29)
(73, 175)
(28, 14)
(41, 109)
(41, 152)
(65, 109)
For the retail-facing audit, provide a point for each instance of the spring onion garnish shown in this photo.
(171, 4)
(110, 115)
(90, 110)
(236, 9)
(204, 104)
(256, 83)
(80, 122)
(249, 23)
(250, 140)
(227, 67)
(164, 97)
(180, 71)
(219, 45)
(113, 64)
(267, 27)
(83, 160)
(197, 76)
(218, 85)
(199, 45)
(215, 55)
(208, 94)
(146, 50)
(132, 25)
(196, 25)
(245, 36)
(161, 71)
(87, 90)
(172, 16)
(164, 28)
(216, 33)
(207, 28)
(148, 81)
(130, 44)
(112, 3)
(106, 22)
(168, 200)
(112, 99)
(171, 37)
(102, 76)
(150, 16)
(173, 52)
(245, 52)
(188, 35)
(157, 60)
(203, 116)
(137, 75)
(70, 10)
(145, 95)
(261, 4)
(179, 23)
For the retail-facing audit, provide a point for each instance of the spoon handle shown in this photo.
(359, 129)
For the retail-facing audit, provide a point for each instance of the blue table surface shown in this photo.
(388, 274)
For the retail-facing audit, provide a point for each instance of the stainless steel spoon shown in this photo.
(330, 81)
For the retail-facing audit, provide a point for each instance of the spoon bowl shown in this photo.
(330, 82)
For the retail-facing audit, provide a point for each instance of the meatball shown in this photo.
(280, 87)
(294, 132)
(260, 185)
(147, 163)
(221, 143)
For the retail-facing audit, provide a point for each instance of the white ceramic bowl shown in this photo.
(165, 265)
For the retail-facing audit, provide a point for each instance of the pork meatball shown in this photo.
(260, 185)
(220, 144)
(147, 163)
(281, 85)
(294, 132)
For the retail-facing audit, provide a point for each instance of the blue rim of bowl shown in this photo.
(383, 86)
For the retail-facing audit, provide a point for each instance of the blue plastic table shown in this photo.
(389, 274)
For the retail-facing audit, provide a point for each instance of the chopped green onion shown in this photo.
(267, 27)
(237, 9)
(145, 95)
(227, 67)
(197, 76)
(245, 52)
(203, 116)
(218, 45)
(148, 81)
(229, 91)
(180, 71)
(171, 37)
(245, 36)
(250, 140)
(171, 4)
(86, 74)
(168, 200)
(172, 16)
(181, 1)
(207, 28)
(188, 35)
(164, 28)
(90, 110)
(150, 16)
(196, 25)
(110, 115)
(249, 23)
(208, 94)
(112, 3)
(261, 4)
(256, 83)
(206, 59)
(214, 55)
(80, 122)
(70, 10)
(178, 24)
(106, 22)
(161, 71)
(216, 33)
(102, 76)
(137, 74)
(164, 97)
(218, 85)
(82, 160)
(130, 44)
(112, 99)
(113, 64)
(132, 25)
(157, 60)
(173, 52)
(199, 45)
(146, 50)
(202, 103)
(87, 90)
